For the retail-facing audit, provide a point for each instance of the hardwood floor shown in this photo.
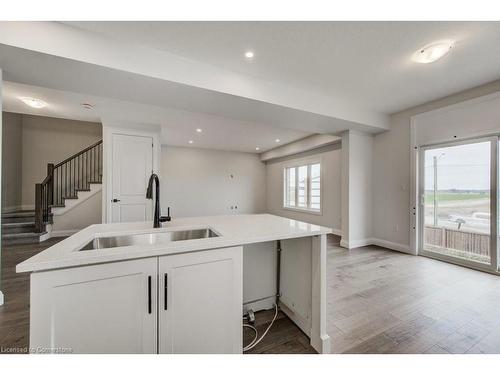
(382, 301)
(14, 313)
(379, 301)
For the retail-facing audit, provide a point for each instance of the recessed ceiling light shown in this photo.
(249, 54)
(277, 140)
(190, 142)
(257, 148)
(199, 130)
(33, 102)
(87, 106)
(433, 52)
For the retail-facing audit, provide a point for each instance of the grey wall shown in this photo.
(12, 155)
(51, 140)
(196, 182)
(391, 182)
(331, 187)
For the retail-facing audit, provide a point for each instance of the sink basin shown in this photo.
(148, 238)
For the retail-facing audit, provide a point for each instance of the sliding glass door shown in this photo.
(458, 196)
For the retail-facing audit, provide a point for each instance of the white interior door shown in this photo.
(132, 164)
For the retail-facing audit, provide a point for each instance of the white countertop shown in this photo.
(234, 230)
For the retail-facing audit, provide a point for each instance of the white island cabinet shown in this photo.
(131, 288)
(113, 307)
(201, 302)
(105, 308)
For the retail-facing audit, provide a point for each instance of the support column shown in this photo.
(356, 189)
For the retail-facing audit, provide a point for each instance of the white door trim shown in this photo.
(107, 140)
(418, 184)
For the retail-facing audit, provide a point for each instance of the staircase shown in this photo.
(66, 181)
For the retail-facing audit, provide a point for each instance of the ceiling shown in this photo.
(306, 77)
(178, 127)
(367, 63)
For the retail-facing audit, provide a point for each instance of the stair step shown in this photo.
(94, 182)
(22, 224)
(23, 227)
(21, 238)
(73, 197)
(18, 213)
(18, 217)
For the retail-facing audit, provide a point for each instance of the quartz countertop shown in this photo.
(234, 230)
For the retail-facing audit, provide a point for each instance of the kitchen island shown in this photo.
(129, 288)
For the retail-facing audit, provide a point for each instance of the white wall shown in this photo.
(330, 157)
(12, 157)
(197, 182)
(87, 212)
(392, 178)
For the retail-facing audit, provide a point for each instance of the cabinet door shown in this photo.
(201, 296)
(106, 308)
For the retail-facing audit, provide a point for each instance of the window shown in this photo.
(302, 187)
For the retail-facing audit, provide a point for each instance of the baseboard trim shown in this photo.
(63, 233)
(44, 237)
(378, 242)
(393, 246)
(353, 244)
(27, 207)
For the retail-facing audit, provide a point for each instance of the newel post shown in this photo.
(38, 208)
(50, 172)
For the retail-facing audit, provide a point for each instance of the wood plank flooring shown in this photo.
(382, 301)
(14, 313)
(379, 301)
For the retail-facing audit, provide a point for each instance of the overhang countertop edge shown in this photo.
(234, 230)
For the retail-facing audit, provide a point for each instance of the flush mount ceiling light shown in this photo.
(33, 102)
(190, 142)
(87, 106)
(199, 130)
(277, 140)
(257, 148)
(249, 54)
(433, 52)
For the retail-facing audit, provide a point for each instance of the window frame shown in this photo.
(296, 164)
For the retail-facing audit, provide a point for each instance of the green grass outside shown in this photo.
(443, 197)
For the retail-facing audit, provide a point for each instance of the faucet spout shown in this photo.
(149, 195)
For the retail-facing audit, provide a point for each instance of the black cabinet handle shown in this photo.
(114, 200)
(149, 294)
(165, 291)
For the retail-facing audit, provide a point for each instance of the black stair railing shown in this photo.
(65, 179)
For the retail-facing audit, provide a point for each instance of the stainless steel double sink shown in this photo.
(148, 238)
